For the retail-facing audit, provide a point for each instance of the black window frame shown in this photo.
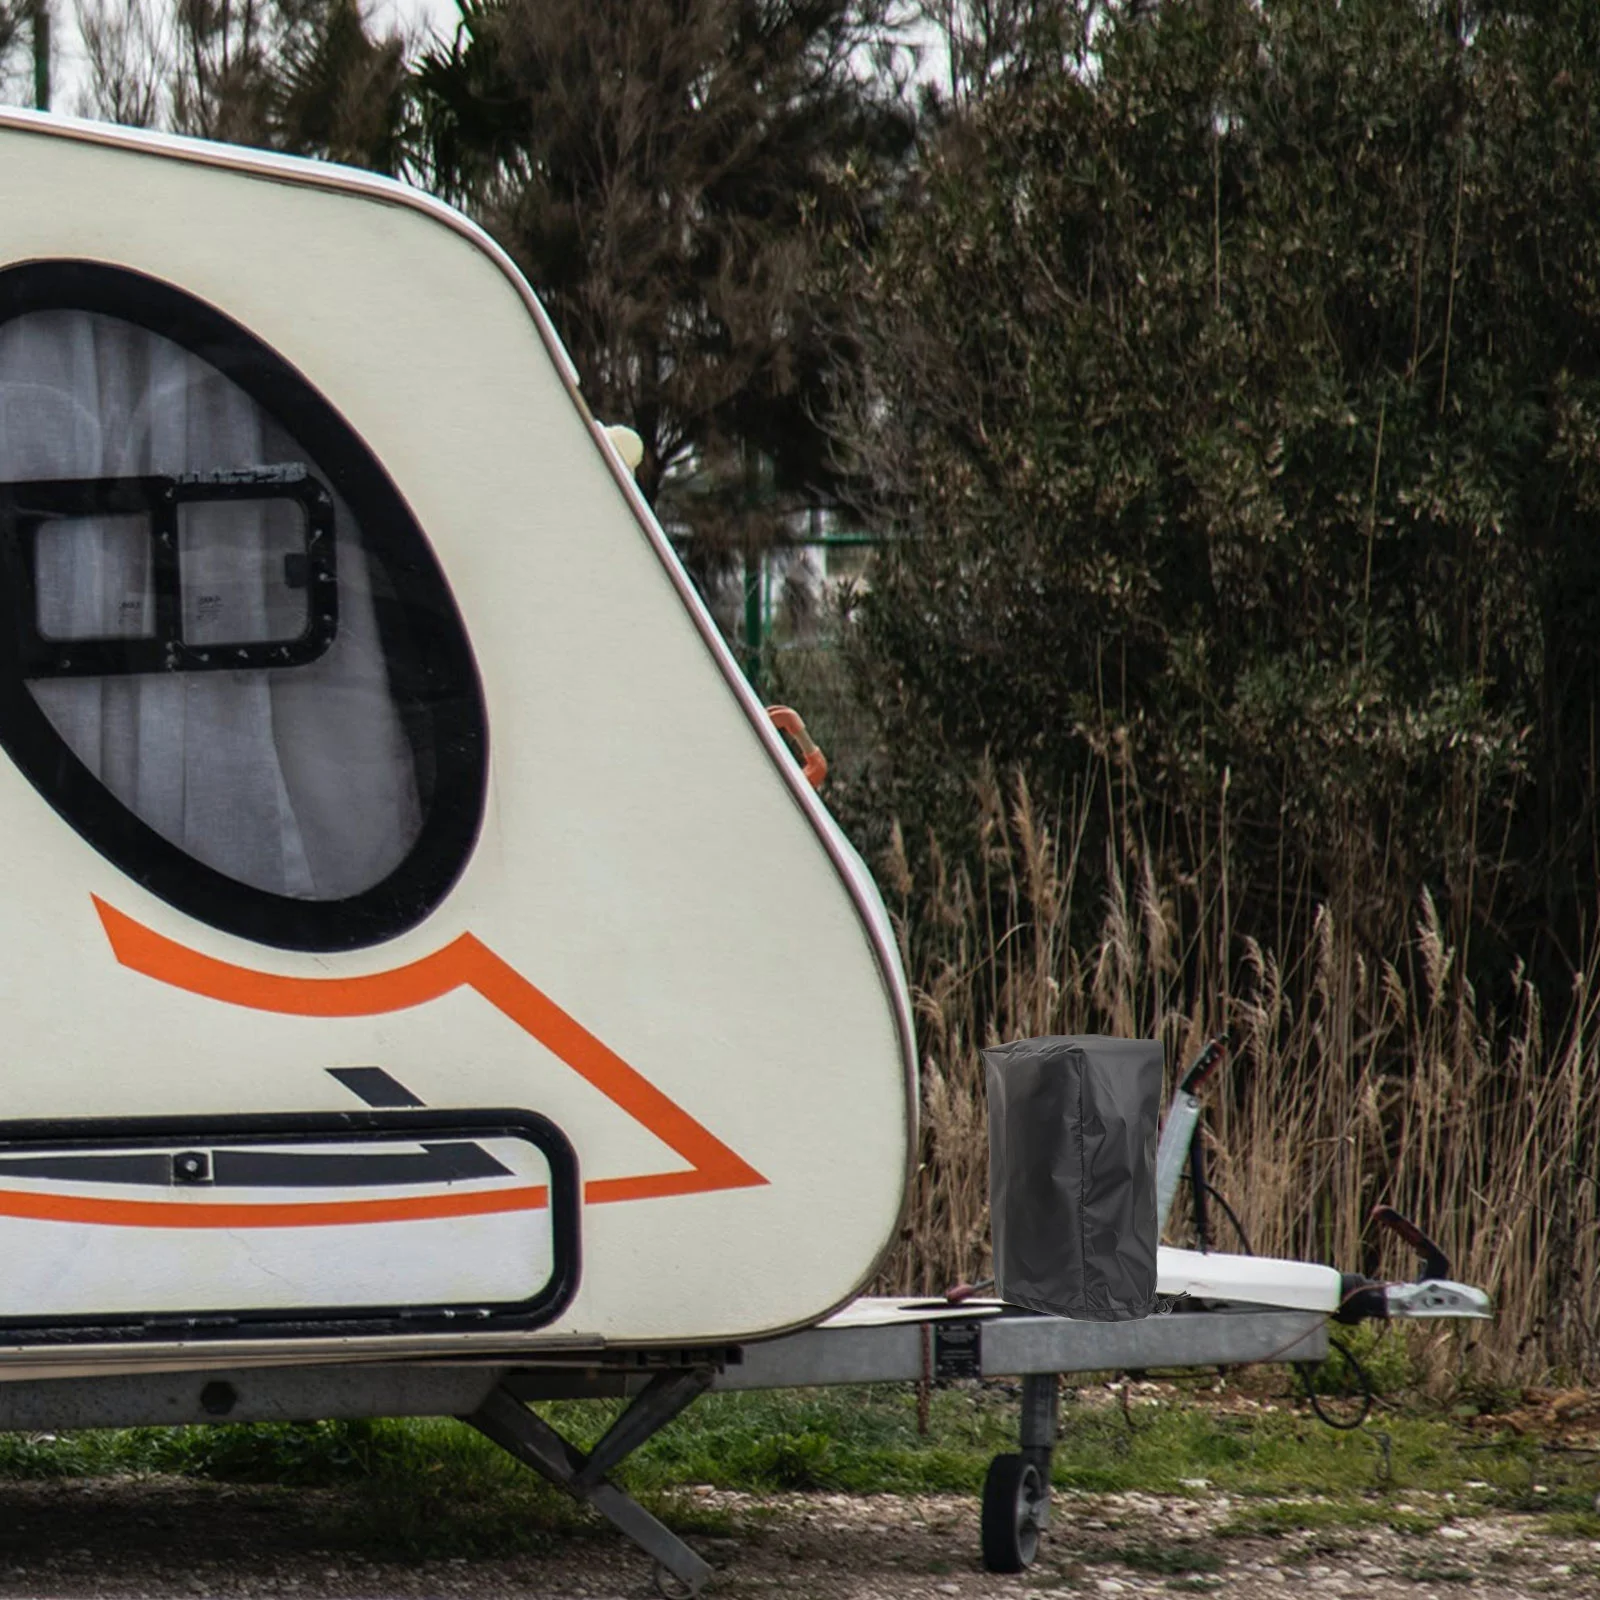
(29, 506)
(112, 1135)
(423, 637)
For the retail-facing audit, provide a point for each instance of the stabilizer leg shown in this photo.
(527, 1436)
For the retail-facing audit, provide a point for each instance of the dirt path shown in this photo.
(178, 1540)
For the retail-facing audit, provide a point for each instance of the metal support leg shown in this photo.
(667, 1394)
(1041, 1394)
(527, 1436)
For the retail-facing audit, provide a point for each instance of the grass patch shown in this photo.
(1284, 1452)
(435, 1485)
(309, 1453)
(857, 1440)
(1177, 1558)
(1416, 1523)
(1275, 1518)
(1573, 1524)
(1387, 1358)
(845, 1440)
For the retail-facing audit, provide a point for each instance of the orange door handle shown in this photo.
(812, 761)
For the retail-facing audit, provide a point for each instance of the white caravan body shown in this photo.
(415, 933)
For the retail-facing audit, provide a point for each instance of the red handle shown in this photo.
(1435, 1263)
(812, 761)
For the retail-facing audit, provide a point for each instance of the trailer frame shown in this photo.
(899, 1342)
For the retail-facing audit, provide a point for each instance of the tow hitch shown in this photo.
(1434, 1294)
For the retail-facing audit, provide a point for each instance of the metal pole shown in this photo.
(752, 618)
(754, 563)
(39, 22)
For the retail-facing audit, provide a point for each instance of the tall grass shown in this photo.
(1356, 1077)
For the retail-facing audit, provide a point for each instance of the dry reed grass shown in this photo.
(1352, 1080)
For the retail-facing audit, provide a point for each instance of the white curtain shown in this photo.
(300, 781)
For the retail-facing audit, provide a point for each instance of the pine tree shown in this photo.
(669, 174)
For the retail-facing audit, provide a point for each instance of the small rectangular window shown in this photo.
(231, 571)
(94, 578)
(242, 572)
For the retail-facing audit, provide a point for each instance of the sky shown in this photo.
(67, 67)
(412, 16)
(437, 14)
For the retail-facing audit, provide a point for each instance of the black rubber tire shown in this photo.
(671, 1587)
(1013, 1501)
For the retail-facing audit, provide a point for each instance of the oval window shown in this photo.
(230, 659)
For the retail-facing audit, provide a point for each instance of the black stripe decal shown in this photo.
(375, 1087)
(282, 1169)
(456, 1162)
(147, 1166)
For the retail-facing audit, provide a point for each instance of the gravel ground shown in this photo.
(177, 1539)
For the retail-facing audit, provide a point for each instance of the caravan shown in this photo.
(375, 912)
(400, 958)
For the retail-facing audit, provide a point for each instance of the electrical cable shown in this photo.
(1369, 1395)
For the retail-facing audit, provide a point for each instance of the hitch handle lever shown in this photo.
(1435, 1263)
(1204, 1064)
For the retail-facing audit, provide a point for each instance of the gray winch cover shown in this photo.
(1072, 1174)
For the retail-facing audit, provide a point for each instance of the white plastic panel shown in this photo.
(1248, 1280)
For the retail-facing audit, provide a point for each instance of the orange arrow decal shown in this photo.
(465, 963)
(304, 1214)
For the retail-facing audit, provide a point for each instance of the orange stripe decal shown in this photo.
(311, 1214)
(465, 963)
